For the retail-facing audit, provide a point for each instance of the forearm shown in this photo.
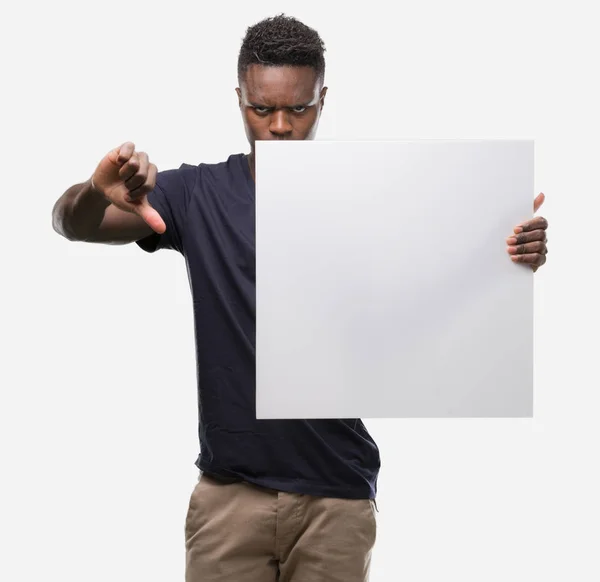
(78, 213)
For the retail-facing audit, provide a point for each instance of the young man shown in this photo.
(289, 500)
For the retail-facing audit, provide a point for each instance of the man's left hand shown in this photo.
(528, 243)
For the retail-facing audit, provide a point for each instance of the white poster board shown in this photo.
(384, 288)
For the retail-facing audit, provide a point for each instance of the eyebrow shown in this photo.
(252, 104)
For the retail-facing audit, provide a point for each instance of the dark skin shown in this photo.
(280, 103)
(276, 102)
(528, 243)
(286, 103)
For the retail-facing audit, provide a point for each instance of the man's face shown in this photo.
(280, 102)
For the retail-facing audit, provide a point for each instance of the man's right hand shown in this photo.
(126, 177)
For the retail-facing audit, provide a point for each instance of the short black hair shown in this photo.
(282, 40)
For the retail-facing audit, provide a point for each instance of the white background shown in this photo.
(98, 403)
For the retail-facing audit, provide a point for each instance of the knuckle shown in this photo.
(132, 187)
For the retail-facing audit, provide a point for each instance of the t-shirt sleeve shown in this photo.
(170, 198)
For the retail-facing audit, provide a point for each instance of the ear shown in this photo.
(322, 96)
(239, 94)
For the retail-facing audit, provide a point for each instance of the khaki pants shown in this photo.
(242, 533)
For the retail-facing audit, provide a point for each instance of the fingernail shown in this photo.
(518, 229)
(511, 240)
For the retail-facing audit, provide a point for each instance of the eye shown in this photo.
(299, 109)
(261, 110)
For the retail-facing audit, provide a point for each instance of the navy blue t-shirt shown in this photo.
(209, 213)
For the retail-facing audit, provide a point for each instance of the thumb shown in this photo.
(150, 216)
(538, 202)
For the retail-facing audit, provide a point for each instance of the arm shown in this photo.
(85, 214)
(114, 208)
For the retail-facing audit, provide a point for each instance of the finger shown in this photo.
(125, 152)
(123, 198)
(145, 188)
(537, 223)
(130, 168)
(526, 237)
(150, 216)
(139, 177)
(149, 184)
(530, 259)
(538, 202)
(533, 247)
(151, 180)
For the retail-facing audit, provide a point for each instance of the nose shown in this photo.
(280, 125)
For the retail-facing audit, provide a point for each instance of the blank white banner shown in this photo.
(384, 288)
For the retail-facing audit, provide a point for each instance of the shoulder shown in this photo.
(190, 178)
(221, 182)
(190, 174)
(233, 166)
